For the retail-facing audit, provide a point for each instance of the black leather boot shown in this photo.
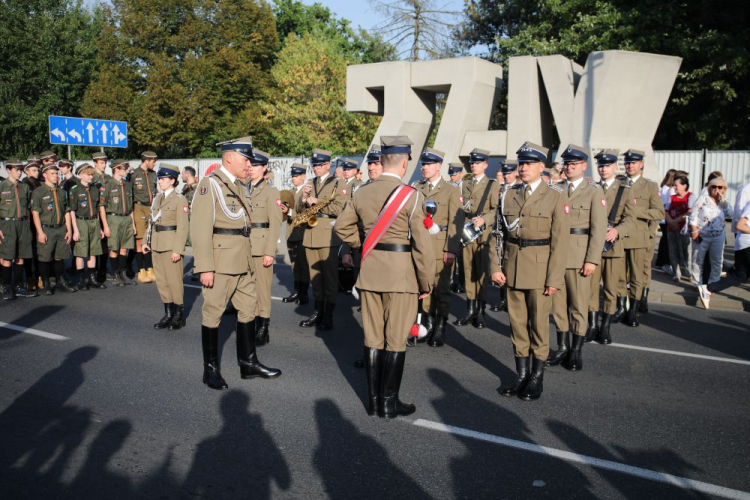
(94, 283)
(574, 362)
(373, 369)
(22, 290)
(63, 285)
(303, 298)
(316, 318)
(390, 384)
(8, 292)
(124, 279)
(563, 349)
(502, 305)
(522, 377)
(620, 311)
(643, 304)
(593, 330)
(247, 357)
(534, 387)
(604, 337)
(632, 318)
(471, 313)
(261, 331)
(411, 341)
(166, 320)
(479, 318)
(178, 319)
(211, 369)
(83, 283)
(327, 323)
(437, 339)
(47, 287)
(294, 295)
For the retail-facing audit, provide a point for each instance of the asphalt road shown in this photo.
(118, 410)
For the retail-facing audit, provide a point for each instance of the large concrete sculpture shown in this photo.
(615, 101)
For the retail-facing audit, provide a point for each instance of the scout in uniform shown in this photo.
(83, 200)
(479, 204)
(350, 257)
(49, 209)
(509, 172)
(143, 182)
(265, 203)
(220, 229)
(320, 241)
(31, 266)
(116, 213)
(536, 224)
(100, 177)
(398, 268)
(639, 242)
(166, 236)
(620, 221)
(456, 176)
(67, 179)
(15, 233)
(294, 235)
(445, 243)
(587, 208)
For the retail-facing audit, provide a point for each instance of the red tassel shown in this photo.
(414, 332)
(428, 221)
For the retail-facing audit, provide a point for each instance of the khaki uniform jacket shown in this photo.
(447, 199)
(348, 188)
(116, 197)
(649, 210)
(472, 194)
(188, 191)
(294, 234)
(624, 218)
(266, 207)
(174, 212)
(220, 253)
(51, 204)
(541, 217)
(402, 272)
(144, 185)
(14, 205)
(323, 235)
(588, 210)
(84, 200)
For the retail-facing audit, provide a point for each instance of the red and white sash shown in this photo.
(398, 199)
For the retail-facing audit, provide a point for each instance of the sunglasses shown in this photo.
(720, 188)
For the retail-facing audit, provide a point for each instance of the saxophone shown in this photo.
(308, 215)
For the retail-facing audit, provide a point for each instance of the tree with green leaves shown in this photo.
(708, 108)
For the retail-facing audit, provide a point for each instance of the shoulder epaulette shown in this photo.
(595, 184)
(557, 187)
(518, 186)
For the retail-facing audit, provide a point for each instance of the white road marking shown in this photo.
(685, 354)
(38, 333)
(680, 482)
(201, 286)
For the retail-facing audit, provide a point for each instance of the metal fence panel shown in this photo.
(735, 167)
(689, 161)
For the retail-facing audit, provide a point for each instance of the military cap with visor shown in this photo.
(348, 164)
(478, 155)
(532, 153)
(259, 158)
(395, 144)
(167, 170)
(82, 167)
(508, 166)
(46, 155)
(49, 166)
(14, 163)
(119, 163)
(607, 156)
(633, 155)
(320, 156)
(373, 156)
(455, 168)
(573, 154)
(298, 169)
(430, 155)
(65, 162)
(99, 156)
(147, 155)
(242, 146)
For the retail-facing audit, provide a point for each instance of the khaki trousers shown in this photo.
(573, 299)
(647, 264)
(476, 263)
(529, 322)
(263, 279)
(636, 258)
(613, 272)
(169, 278)
(387, 318)
(594, 288)
(298, 258)
(239, 288)
(324, 273)
(438, 302)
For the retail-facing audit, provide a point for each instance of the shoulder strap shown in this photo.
(615, 205)
(484, 196)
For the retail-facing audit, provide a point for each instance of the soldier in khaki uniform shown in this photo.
(620, 220)
(456, 174)
(15, 233)
(509, 171)
(350, 257)
(49, 209)
(265, 203)
(220, 229)
(294, 235)
(166, 236)
(639, 241)
(321, 242)
(83, 200)
(143, 182)
(536, 225)
(116, 213)
(479, 197)
(399, 270)
(587, 209)
(445, 243)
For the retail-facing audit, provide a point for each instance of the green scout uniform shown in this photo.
(100, 178)
(14, 223)
(84, 206)
(117, 200)
(143, 183)
(51, 204)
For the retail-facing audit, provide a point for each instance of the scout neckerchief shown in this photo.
(396, 201)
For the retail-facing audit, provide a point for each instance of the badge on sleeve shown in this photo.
(634, 202)
(343, 191)
(184, 209)
(278, 202)
(604, 203)
(567, 209)
(460, 198)
(204, 190)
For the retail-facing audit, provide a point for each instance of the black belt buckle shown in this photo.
(523, 243)
(246, 231)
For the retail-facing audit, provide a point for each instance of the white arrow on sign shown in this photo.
(104, 133)
(90, 128)
(57, 132)
(75, 135)
(118, 136)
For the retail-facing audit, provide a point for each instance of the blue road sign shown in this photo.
(87, 132)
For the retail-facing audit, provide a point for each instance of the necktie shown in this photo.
(604, 186)
(526, 193)
(430, 188)
(570, 188)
